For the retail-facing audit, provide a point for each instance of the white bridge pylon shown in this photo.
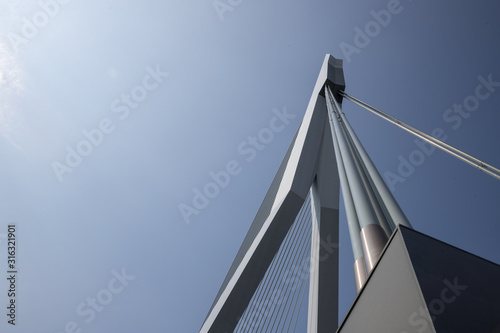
(324, 154)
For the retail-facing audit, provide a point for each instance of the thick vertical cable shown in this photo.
(395, 213)
(352, 218)
(383, 217)
(373, 237)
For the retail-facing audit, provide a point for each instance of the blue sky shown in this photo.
(153, 96)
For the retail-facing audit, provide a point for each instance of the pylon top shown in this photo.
(333, 73)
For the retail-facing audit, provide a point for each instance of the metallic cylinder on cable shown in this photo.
(394, 210)
(373, 238)
(360, 275)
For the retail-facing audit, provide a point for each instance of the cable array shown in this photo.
(278, 300)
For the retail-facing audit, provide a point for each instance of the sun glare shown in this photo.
(10, 88)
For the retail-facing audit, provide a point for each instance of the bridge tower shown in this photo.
(405, 281)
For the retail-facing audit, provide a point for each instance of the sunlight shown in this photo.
(10, 87)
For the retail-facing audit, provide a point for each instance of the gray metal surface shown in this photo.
(312, 316)
(360, 274)
(421, 284)
(324, 264)
(389, 297)
(461, 290)
(373, 239)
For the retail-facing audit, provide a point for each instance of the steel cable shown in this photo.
(264, 287)
(469, 159)
(298, 256)
(277, 309)
(272, 278)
